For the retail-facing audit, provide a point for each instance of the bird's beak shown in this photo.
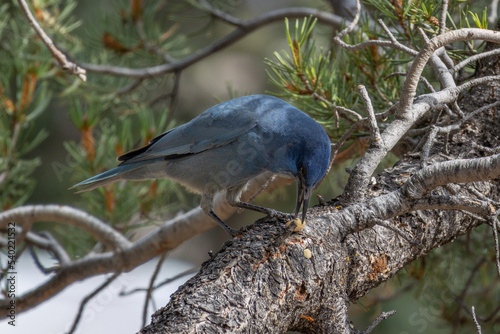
(303, 197)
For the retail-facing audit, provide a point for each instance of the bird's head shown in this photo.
(311, 170)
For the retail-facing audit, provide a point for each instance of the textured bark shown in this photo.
(253, 286)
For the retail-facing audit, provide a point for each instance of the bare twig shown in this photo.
(474, 58)
(393, 43)
(442, 17)
(478, 326)
(388, 225)
(58, 55)
(374, 130)
(53, 246)
(479, 81)
(164, 282)
(174, 97)
(476, 192)
(149, 290)
(220, 14)
(431, 138)
(88, 298)
(376, 322)
(461, 297)
(495, 225)
(346, 111)
(488, 150)
(491, 316)
(492, 19)
(466, 204)
(463, 121)
(130, 87)
(39, 264)
(350, 27)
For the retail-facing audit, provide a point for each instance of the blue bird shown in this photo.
(228, 145)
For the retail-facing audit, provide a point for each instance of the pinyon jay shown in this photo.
(228, 145)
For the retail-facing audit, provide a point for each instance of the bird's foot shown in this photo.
(298, 223)
(234, 233)
(280, 215)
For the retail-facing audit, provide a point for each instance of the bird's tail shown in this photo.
(110, 176)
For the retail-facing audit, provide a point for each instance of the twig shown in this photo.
(351, 25)
(347, 111)
(336, 147)
(431, 138)
(465, 170)
(478, 326)
(164, 282)
(461, 297)
(471, 59)
(130, 87)
(149, 290)
(39, 264)
(495, 225)
(488, 150)
(380, 318)
(88, 298)
(491, 316)
(375, 42)
(493, 12)
(374, 130)
(174, 97)
(450, 202)
(58, 55)
(48, 243)
(388, 226)
(220, 14)
(442, 17)
(478, 81)
(458, 125)
(476, 192)
(395, 42)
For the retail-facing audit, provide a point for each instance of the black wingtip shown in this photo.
(132, 154)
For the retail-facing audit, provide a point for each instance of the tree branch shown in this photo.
(244, 28)
(408, 110)
(58, 55)
(27, 215)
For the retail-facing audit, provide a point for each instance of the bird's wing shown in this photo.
(215, 127)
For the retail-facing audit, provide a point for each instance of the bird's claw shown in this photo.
(299, 224)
